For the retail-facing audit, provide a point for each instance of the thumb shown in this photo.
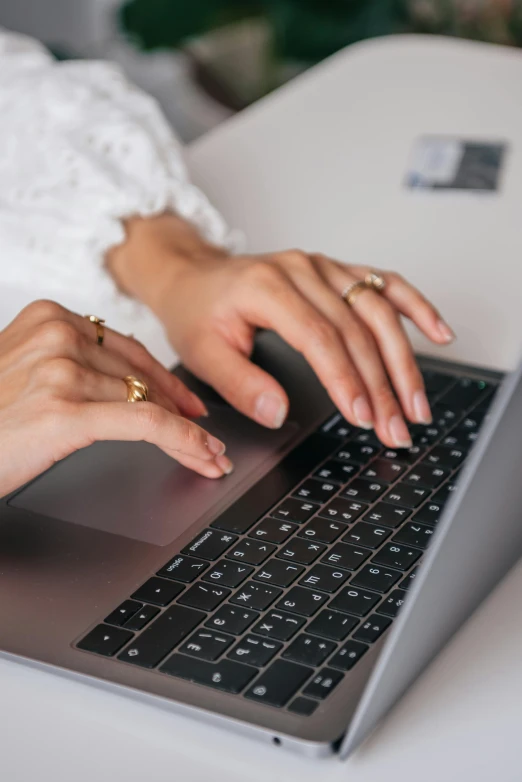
(245, 386)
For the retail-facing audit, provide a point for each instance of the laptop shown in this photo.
(295, 600)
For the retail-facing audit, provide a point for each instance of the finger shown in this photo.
(136, 355)
(387, 417)
(383, 321)
(411, 303)
(243, 384)
(178, 437)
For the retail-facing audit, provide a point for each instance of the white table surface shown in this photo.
(461, 720)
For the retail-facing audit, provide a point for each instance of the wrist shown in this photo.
(157, 253)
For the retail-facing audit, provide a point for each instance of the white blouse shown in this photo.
(81, 149)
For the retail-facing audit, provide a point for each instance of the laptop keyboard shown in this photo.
(285, 592)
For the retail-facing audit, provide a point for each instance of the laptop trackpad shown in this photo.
(135, 490)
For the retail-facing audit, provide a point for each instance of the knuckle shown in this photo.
(59, 373)
(295, 256)
(148, 417)
(42, 309)
(264, 274)
(57, 335)
(190, 435)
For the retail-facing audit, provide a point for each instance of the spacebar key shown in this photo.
(171, 627)
(267, 492)
(225, 675)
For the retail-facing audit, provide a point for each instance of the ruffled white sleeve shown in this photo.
(81, 149)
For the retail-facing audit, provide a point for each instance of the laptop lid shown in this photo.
(478, 540)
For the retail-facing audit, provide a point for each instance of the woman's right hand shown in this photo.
(60, 391)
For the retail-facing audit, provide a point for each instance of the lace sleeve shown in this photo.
(82, 150)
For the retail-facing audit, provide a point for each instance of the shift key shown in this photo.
(162, 636)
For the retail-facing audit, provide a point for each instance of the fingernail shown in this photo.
(204, 410)
(271, 410)
(399, 432)
(224, 463)
(446, 333)
(215, 446)
(363, 413)
(421, 407)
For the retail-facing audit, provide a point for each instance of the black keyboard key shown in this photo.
(210, 544)
(279, 683)
(464, 393)
(331, 624)
(387, 515)
(280, 573)
(253, 552)
(255, 651)
(105, 640)
(185, 569)
(327, 579)
(435, 382)
(232, 619)
(424, 435)
(393, 604)
(256, 596)
(414, 535)
(380, 579)
(157, 591)
(228, 574)
(430, 514)
(364, 491)
(323, 683)
(224, 675)
(354, 601)
(444, 417)
(409, 579)
(337, 426)
(205, 597)
(337, 472)
(406, 496)
(294, 510)
(273, 530)
(141, 618)
(303, 706)
(167, 631)
(342, 510)
(383, 471)
(278, 625)
(368, 535)
(308, 650)
(276, 484)
(404, 455)
(446, 457)
(372, 629)
(321, 530)
(442, 495)
(471, 422)
(316, 491)
(302, 601)
(351, 652)
(207, 644)
(366, 436)
(120, 615)
(345, 556)
(357, 453)
(302, 551)
(429, 476)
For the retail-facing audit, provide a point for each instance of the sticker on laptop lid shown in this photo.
(444, 163)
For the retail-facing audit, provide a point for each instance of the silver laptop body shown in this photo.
(79, 540)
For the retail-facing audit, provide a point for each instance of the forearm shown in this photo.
(156, 253)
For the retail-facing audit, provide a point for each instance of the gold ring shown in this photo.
(137, 390)
(375, 281)
(100, 328)
(352, 290)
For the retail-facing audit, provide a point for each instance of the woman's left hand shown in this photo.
(211, 306)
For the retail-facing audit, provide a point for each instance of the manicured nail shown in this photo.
(421, 407)
(399, 432)
(204, 410)
(215, 446)
(224, 463)
(271, 410)
(363, 413)
(446, 333)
